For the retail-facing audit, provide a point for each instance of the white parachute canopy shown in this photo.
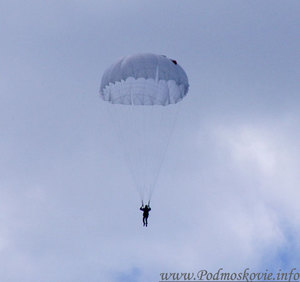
(143, 91)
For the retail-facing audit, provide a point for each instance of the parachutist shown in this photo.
(146, 211)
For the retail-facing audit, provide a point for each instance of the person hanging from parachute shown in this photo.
(142, 93)
(145, 211)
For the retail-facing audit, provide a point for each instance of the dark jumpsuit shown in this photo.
(145, 210)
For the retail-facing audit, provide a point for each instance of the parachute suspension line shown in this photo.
(129, 112)
(134, 172)
(147, 155)
(161, 140)
(115, 117)
(159, 121)
(164, 150)
(142, 150)
(143, 163)
(136, 126)
(142, 154)
(146, 112)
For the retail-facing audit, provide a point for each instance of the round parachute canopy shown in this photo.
(144, 79)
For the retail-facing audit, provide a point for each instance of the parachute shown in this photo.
(142, 93)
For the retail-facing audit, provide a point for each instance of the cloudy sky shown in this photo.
(228, 192)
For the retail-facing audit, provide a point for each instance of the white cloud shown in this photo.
(253, 145)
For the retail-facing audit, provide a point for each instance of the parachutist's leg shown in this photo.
(144, 221)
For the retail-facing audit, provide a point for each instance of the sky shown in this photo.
(228, 191)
